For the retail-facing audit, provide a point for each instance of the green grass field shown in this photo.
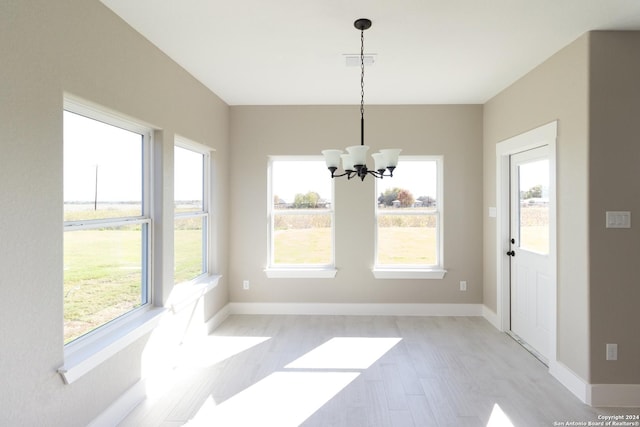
(396, 245)
(102, 268)
(102, 274)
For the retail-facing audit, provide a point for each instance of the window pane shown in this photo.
(102, 170)
(534, 206)
(302, 239)
(407, 215)
(407, 239)
(301, 184)
(103, 276)
(189, 243)
(302, 233)
(413, 186)
(188, 188)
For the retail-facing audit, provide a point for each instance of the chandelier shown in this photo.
(354, 161)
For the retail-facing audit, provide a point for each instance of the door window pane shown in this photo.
(534, 206)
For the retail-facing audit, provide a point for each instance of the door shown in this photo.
(530, 265)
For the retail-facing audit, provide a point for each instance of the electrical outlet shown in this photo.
(612, 351)
(245, 285)
(463, 285)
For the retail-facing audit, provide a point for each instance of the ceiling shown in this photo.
(292, 52)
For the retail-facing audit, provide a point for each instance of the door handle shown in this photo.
(511, 253)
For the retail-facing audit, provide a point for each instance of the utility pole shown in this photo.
(95, 197)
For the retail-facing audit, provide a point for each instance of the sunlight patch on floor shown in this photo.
(498, 418)
(164, 371)
(345, 353)
(281, 399)
(215, 349)
(289, 397)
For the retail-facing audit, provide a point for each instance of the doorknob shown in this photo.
(511, 253)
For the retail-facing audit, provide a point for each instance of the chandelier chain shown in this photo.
(362, 73)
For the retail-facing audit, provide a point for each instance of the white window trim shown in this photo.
(298, 271)
(408, 273)
(399, 271)
(185, 293)
(207, 277)
(92, 349)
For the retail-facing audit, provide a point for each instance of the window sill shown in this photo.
(397, 273)
(183, 294)
(300, 273)
(84, 355)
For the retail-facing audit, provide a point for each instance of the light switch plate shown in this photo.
(618, 219)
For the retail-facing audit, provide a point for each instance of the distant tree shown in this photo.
(391, 194)
(535, 191)
(427, 200)
(309, 200)
(406, 198)
(388, 196)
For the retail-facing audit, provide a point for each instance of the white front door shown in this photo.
(532, 283)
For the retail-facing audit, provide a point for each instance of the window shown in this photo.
(107, 220)
(409, 220)
(191, 169)
(301, 218)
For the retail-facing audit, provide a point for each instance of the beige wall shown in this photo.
(452, 131)
(555, 90)
(80, 47)
(614, 185)
(591, 87)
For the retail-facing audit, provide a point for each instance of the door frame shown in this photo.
(543, 135)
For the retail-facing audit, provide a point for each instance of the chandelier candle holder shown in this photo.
(354, 161)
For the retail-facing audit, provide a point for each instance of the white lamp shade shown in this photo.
(391, 156)
(358, 154)
(332, 158)
(379, 161)
(347, 163)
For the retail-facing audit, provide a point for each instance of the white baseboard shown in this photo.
(341, 309)
(118, 410)
(569, 379)
(492, 317)
(614, 395)
(217, 319)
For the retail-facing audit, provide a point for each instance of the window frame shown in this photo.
(274, 270)
(415, 271)
(89, 350)
(205, 213)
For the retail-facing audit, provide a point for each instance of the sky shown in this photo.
(419, 177)
(115, 153)
(534, 173)
(113, 156)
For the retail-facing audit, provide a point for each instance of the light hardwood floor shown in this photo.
(358, 371)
